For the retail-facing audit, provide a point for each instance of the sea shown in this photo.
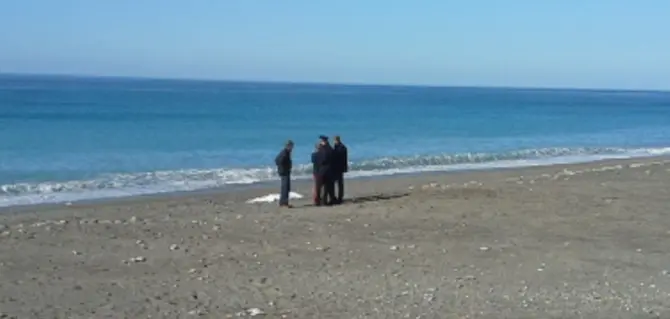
(66, 138)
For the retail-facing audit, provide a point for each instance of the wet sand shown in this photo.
(574, 241)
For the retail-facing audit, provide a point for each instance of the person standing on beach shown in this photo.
(284, 166)
(315, 172)
(325, 174)
(340, 166)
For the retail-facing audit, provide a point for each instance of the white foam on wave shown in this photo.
(125, 185)
(269, 198)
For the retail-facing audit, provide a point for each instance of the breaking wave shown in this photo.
(122, 185)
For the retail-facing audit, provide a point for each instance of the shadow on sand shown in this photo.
(368, 198)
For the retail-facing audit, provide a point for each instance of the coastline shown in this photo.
(561, 241)
(303, 185)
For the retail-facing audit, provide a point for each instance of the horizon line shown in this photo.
(324, 83)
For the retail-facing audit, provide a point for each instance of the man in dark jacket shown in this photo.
(325, 173)
(284, 166)
(316, 193)
(340, 166)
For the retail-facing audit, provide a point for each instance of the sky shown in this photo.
(530, 43)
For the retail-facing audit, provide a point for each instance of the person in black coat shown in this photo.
(325, 183)
(315, 173)
(284, 166)
(340, 166)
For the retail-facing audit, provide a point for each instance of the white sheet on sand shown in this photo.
(269, 198)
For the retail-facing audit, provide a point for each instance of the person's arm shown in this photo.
(278, 159)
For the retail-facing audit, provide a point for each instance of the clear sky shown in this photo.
(567, 43)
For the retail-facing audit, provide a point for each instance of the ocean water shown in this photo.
(69, 138)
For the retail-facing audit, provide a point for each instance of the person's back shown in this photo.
(325, 175)
(325, 160)
(318, 183)
(341, 160)
(340, 166)
(284, 166)
(316, 159)
(284, 162)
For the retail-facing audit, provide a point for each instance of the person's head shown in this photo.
(289, 145)
(323, 140)
(337, 139)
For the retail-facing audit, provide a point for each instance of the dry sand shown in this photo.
(577, 241)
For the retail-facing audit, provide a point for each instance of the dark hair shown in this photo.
(289, 143)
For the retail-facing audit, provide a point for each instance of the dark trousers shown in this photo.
(325, 190)
(338, 180)
(285, 189)
(316, 193)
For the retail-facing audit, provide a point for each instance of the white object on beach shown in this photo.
(255, 312)
(272, 198)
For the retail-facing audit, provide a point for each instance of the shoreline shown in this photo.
(563, 241)
(301, 183)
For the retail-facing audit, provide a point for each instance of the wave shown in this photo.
(122, 185)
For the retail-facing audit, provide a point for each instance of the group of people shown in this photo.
(329, 163)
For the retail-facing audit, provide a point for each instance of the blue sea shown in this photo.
(76, 138)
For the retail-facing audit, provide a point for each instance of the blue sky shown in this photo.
(568, 43)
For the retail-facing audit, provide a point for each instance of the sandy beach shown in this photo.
(572, 241)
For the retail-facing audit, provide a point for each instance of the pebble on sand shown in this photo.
(174, 247)
(394, 248)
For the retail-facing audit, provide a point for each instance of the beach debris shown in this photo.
(429, 295)
(174, 247)
(216, 228)
(133, 220)
(430, 185)
(76, 253)
(252, 312)
(484, 248)
(196, 312)
(273, 198)
(138, 259)
(394, 248)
